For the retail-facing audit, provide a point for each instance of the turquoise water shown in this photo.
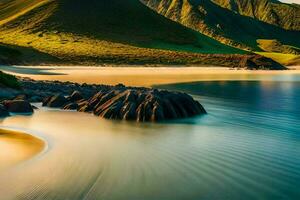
(247, 147)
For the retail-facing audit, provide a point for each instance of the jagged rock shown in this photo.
(3, 111)
(56, 101)
(71, 106)
(75, 96)
(18, 106)
(141, 105)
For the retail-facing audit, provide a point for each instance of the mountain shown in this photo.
(104, 31)
(239, 23)
(129, 32)
(273, 12)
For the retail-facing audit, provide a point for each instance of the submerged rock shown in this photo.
(18, 106)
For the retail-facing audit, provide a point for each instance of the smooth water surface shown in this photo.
(247, 147)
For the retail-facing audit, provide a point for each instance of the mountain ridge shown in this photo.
(273, 12)
(110, 31)
(222, 24)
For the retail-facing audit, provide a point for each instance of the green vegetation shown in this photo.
(270, 11)
(9, 81)
(6, 54)
(11, 9)
(233, 24)
(10, 54)
(107, 31)
(128, 32)
(284, 59)
(276, 47)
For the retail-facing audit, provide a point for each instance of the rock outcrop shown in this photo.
(56, 101)
(110, 102)
(18, 106)
(259, 62)
(138, 104)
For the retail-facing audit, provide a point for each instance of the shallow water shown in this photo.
(247, 147)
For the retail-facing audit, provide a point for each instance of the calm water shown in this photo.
(247, 147)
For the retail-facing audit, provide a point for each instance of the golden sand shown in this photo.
(141, 76)
(16, 147)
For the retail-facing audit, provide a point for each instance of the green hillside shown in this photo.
(10, 54)
(103, 31)
(231, 26)
(10, 9)
(272, 12)
(129, 32)
(10, 81)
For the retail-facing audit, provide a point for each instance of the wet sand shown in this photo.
(16, 147)
(141, 76)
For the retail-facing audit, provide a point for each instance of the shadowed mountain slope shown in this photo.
(233, 24)
(111, 32)
(273, 12)
(126, 22)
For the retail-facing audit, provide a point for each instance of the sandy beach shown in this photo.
(140, 76)
(17, 147)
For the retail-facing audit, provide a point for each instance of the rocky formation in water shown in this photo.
(18, 106)
(110, 102)
(131, 104)
(15, 106)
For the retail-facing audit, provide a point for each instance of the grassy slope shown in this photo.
(109, 31)
(284, 59)
(269, 11)
(276, 47)
(10, 9)
(10, 54)
(9, 81)
(222, 24)
(126, 21)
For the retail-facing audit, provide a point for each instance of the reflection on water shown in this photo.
(244, 148)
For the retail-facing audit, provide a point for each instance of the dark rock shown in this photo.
(35, 99)
(140, 105)
(18, 106)
(56, 101)
(259, 62)
(21, 97)
(115, 102)
(75, 96)
(120, 85)
(3, 111)
(71, 106)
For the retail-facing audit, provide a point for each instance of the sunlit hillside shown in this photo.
(105, 31)
(237, 23)
(272, 12)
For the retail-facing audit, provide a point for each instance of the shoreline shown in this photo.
(17, 147)
(144, 76)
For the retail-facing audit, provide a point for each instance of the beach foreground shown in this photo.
(17, 147)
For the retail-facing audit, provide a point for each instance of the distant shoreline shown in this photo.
(139, 75)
